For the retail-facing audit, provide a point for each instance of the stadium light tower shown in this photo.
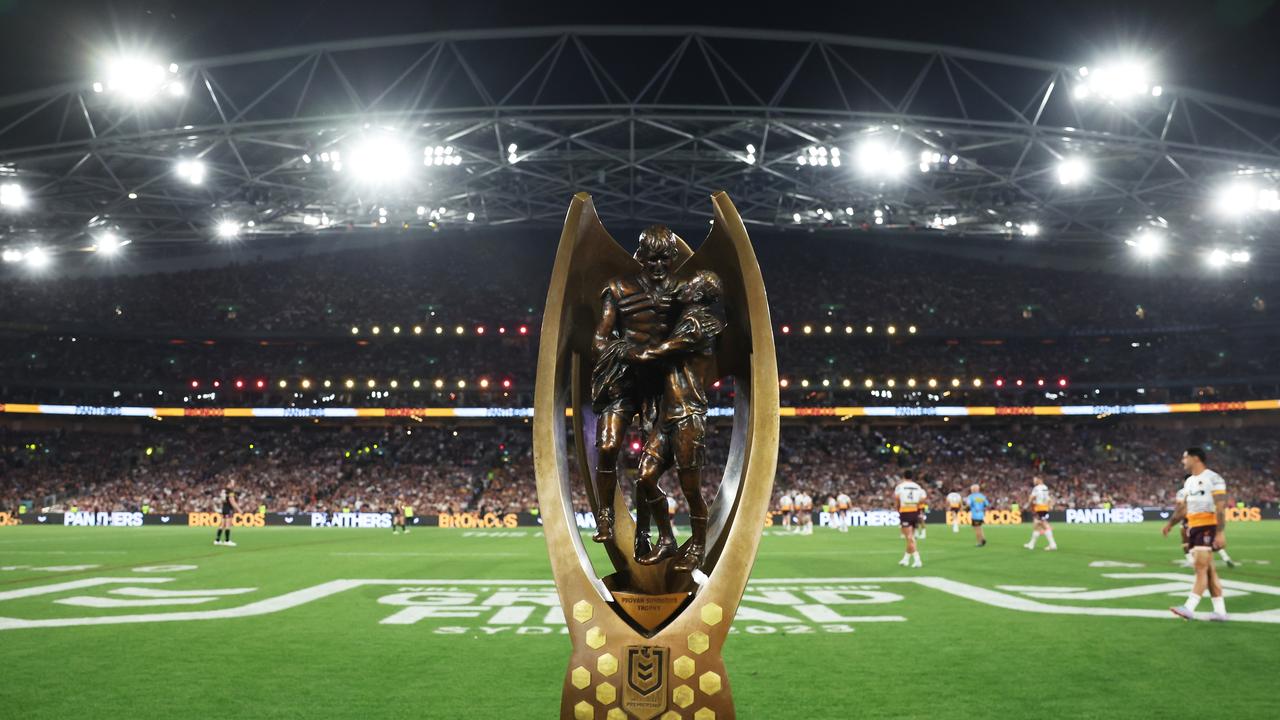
(139, 79)
(108, 243)
(1239, 199)
(192, 171)
(1117, 82)
(228, 229)
(378, 159)
(1072, 170)
(37, 258)
(1147, 244)
(877, 158)
(12, 196)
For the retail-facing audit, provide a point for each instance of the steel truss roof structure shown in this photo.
(648, 120)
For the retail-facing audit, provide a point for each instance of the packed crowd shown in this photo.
(1084, 465)
(498, 370)
(502, 279)
(431, 468)
(168, 338)
(489, 468)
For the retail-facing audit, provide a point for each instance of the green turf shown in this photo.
(333, 657)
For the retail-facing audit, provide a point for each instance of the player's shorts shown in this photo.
(1042, 515)
(680, 442)
(1202, 536)
(977, 522)
(909, 519)
(920, 518)
(226, 512)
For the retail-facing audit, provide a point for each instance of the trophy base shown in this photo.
(673, 673)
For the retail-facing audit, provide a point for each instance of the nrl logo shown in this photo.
(645, 667)
(644, 695)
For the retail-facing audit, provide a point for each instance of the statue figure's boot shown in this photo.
(606, 488)
(695, 549)
(604, 526)
(666, 547)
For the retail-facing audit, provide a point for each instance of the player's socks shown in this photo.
(915, 557)
(218, 538)
(1225, 557)
(906, 558)
(955, 527)
(227, 532)
(1052, 545)
(1190, 560)
(1031, 544)
(1192, 601)
(1219, 605)
(924, 533)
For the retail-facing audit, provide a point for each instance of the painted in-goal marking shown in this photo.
(993, 598)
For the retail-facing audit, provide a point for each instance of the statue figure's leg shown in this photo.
(643, 544)
(690, 453)
(611, 428)
(653, 463)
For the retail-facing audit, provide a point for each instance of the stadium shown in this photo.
(275, 308)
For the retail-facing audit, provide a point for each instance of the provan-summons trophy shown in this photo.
(634, 342)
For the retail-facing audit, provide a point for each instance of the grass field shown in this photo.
(804, 646)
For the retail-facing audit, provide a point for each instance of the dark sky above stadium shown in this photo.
(1227, 46)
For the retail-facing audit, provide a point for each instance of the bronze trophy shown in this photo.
(634, 342)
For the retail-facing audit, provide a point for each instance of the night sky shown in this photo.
(1225, 46)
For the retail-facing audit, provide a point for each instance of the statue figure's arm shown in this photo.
(687, 334)
(608, 321)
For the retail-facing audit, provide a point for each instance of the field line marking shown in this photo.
(435, 555)
(154, 593)
(1188, 579)
(74, 585)
(1039, 588)
(1111, 593)
(64, 552)
(101, 602)
(300, 597)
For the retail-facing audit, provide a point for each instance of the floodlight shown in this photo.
(378, 159)
(193, 171)
(1072, 170)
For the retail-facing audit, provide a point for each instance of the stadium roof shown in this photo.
(499, 127)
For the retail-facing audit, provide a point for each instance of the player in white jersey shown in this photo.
(954, 501)
(1040, 502)
(804, 512)
(786, 507)
(1205, 508)
(843, 503)
(1179, 502)
(909, 496)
